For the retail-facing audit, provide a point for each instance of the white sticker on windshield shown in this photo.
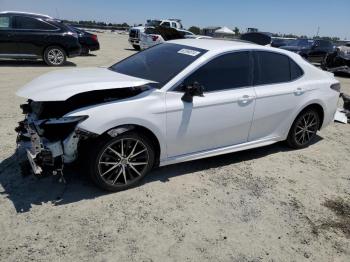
(189, 52)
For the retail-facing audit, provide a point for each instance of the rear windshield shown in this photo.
(159, 63)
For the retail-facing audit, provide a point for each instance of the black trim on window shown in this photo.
(177, 87)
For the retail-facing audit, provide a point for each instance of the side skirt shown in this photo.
(219, 151)
(19, 56)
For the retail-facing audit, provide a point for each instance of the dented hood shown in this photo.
(63, 84)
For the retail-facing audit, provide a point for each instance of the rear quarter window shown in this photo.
(295, 70)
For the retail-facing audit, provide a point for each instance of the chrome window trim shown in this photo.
(40, 30)
(172, 89)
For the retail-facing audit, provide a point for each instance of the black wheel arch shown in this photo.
(118, 130)
(318, 108)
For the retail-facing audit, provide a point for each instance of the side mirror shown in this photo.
(192, 90)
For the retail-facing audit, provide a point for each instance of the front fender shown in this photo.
(148, 112)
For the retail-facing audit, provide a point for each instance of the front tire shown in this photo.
(120, 163)
(55, 56)
(136, 47)
(304, 129)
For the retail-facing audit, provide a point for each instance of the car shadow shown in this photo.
(30, 63)
(24, 192)
(130, 49)
(87, 55)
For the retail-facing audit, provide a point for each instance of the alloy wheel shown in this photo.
(306, 128)
(123, 161)
(55, 56)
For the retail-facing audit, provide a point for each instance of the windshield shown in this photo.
(159, 63)
(302, 42)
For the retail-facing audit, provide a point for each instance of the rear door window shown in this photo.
(29, 23)
(271, 68)
(4, 22)
(274, 68)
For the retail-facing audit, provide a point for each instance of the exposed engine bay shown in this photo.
(51, 139)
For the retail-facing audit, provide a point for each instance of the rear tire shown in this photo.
(121, 162)
(304, 129)
(55, 56)
(84, 51)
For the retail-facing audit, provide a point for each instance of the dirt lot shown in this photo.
(267, 204)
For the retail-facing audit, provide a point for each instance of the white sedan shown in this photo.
(178, 101)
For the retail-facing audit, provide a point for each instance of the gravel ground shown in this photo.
(267, 204)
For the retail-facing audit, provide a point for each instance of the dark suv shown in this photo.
(34, 36)
(312, 50)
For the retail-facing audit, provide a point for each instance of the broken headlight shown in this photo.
(59, 128)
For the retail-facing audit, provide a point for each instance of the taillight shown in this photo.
(155, 37)
(94, 37)
(336, 87)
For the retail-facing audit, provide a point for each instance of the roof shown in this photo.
(25, 13)
(214, 44)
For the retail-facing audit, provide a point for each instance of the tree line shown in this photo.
(96, 23)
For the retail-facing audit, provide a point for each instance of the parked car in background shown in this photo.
(260, 38)
(186, 33)
(338, 61)
(134, 36)
(89, 42)
(170, 23)
(190, 35)
(313, 50)
(157, 35)
(280, 41)
(135, 32)
(179, 101)
(35, 36)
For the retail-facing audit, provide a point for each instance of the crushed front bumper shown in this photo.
(44, 157)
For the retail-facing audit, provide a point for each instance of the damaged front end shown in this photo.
(338, 61)
(49, 143)
(50, 138)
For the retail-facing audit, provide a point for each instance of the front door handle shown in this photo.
(246, 99)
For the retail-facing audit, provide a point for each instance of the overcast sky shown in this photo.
(301, 17)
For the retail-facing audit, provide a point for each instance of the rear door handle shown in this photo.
(299, 91)
(245, 99)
